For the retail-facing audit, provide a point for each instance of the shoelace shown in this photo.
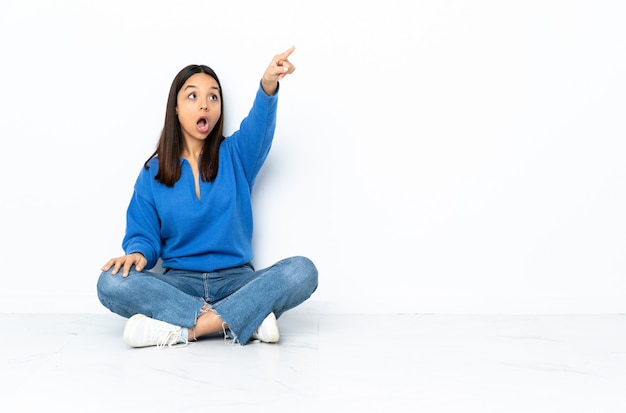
(170, 339)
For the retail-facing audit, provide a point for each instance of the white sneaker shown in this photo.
(268, 330)
(143, 331)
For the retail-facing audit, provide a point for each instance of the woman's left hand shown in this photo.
(278, 69)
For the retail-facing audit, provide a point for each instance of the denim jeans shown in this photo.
(241, 296)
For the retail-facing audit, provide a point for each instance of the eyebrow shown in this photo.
(195, 87)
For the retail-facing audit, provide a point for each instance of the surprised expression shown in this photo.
(198, 106)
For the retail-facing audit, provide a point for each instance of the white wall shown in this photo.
(430, 156)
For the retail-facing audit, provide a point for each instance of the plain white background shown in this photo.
(430, 156)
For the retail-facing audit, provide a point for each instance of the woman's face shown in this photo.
(198, 106)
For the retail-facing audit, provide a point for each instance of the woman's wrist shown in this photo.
(269, 87)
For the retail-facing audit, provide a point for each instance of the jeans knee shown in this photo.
(305, 272)
(103, 286)
(109, 287)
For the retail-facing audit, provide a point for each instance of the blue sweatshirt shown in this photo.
(215, 231)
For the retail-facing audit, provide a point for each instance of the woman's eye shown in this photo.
(192, 96)
(214, 97)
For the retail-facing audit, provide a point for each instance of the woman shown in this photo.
(191, 208)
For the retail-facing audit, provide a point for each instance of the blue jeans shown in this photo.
(241, 296)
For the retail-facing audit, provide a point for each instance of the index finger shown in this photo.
(284, 55)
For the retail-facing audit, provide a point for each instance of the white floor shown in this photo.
(338, 363)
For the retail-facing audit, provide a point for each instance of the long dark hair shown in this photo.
(170, 146)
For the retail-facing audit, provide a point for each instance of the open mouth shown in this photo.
(203, 125)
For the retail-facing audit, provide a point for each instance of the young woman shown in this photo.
(191, 208)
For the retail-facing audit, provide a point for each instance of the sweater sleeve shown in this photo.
(142, 222)
(253, 140)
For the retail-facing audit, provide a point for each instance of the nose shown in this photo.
(204, 106)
